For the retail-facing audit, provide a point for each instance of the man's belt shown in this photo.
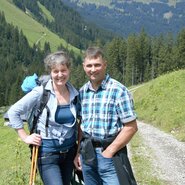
(97, 144)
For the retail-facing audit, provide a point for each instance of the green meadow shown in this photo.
(108, 2)
(34, 31)
(161, 101)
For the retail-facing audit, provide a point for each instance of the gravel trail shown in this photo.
(169, 154)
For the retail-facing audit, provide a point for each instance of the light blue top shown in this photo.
(30, 100)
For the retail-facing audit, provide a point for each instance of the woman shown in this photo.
(57, 147)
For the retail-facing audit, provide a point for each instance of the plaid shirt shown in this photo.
(105, 111)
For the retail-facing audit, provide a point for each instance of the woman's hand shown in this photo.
(34, 139)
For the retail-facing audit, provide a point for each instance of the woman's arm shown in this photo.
(24, 106)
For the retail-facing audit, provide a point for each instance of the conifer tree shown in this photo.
(131, 61)
(180, 59)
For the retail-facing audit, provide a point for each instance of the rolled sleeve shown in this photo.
(125, 107)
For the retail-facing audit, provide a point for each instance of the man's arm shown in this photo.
(121, 140)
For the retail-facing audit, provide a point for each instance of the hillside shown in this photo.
(30, 30)
(161, 102)
(53, 22)
(126, 16)
(35, 32)
(24, 43)
(64, 21)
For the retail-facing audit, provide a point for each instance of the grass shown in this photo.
(108, 2)
(14, 158)
(34, 31)
(97, 3)
(161, 103)
(145, 172)
(46, 12)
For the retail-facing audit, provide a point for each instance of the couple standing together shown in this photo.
(108, 122)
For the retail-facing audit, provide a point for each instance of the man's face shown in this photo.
(95, 69)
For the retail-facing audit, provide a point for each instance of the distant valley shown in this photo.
(131, 16)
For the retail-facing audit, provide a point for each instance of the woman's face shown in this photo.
(60, 74)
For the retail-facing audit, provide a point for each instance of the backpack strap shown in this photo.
(43, 104)
(75, 101)
(47, 120)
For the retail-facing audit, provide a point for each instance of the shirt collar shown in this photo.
(102, 86)
(72, 90)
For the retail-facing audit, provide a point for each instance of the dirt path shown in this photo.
(169, 154)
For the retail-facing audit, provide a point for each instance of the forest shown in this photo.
(132, 60)
(66, 22)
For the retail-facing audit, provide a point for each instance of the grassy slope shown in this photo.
(108, 2)
(33, 30)
(9, 159)
(15, 159)
(46, 13)
(161, 102)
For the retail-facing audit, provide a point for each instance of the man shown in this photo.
(108, 123)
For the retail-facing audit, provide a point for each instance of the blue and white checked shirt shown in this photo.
(105, 111)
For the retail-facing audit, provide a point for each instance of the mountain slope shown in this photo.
(110, 3)
(64, 21)
(163, 103)
(126, 16)
(34, 31)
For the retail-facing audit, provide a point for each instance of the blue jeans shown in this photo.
(101, 172)
(56, 169)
